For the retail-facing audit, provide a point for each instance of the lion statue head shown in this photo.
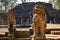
(38, 9)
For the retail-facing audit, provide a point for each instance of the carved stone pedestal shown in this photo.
(11, 37)
(38, 38)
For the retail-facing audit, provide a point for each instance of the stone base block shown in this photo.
(22, 39)
(11, 37)
(38, 38)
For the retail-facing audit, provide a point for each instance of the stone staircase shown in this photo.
(52, 33)
(26, 35)
(23, 34)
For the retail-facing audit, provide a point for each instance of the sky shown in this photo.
(44, 0)
(19, 1)
(41, 0)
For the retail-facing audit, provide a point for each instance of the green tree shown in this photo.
(7, 3)
(56, 4)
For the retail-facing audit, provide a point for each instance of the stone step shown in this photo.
(55, 32)
(49, 28)
(23, 39)
(3, 38)
(50, 37)
(22, 34)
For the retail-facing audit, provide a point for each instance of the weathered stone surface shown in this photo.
(11, 37)
(22, 39)
(22, 34)
(55, 32)
(38, 38)
(3, 38)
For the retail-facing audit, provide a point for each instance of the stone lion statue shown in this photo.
(39, 24)
(11, 21)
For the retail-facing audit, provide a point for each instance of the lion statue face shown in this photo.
(38, 9)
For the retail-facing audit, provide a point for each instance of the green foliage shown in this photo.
(1, 11)
(56, 4)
